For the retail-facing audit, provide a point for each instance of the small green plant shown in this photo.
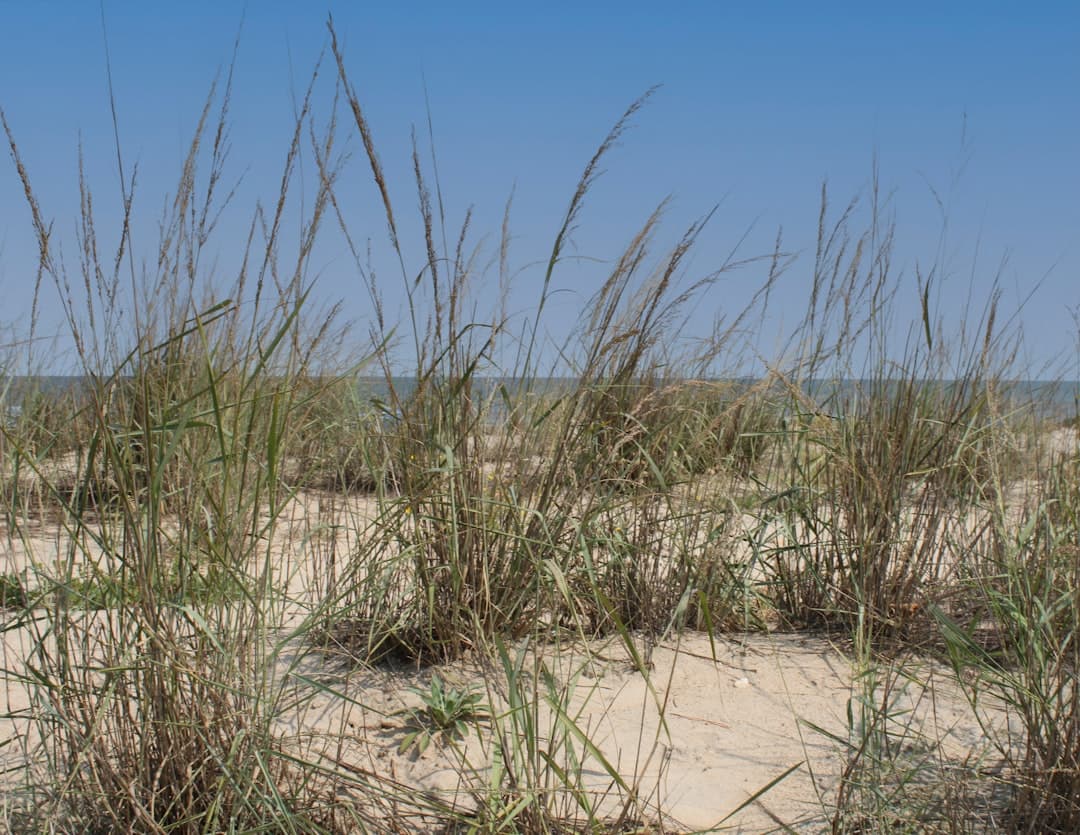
(447, 713)
(96, 591)
(12, 592)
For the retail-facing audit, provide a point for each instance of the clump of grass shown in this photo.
(474, 504)
(154, 711)
(1021, 649)
(879, 458)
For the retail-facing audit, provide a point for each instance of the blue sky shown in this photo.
(972, 103)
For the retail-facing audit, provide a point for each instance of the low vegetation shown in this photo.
(220, 503)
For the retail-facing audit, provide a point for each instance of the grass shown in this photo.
(228, 510)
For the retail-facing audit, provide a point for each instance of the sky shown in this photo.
(968, 113)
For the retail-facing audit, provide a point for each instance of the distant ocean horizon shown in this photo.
(1049, 398)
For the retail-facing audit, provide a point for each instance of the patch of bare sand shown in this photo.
(736, 716)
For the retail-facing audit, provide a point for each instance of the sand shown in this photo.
(739, 711)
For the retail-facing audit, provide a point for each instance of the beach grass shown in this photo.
(218, 525)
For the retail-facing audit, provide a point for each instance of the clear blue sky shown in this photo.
(760, 103)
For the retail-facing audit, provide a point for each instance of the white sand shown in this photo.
(733, 722)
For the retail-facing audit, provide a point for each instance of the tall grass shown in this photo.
(505, 511)
(151, 711)
(474, 505)
(889, 436)
(1019, 647)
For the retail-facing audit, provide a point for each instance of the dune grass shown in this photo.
(508, 517)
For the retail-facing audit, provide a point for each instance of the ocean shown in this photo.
(1049, 399)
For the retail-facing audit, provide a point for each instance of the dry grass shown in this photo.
(470, 511)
